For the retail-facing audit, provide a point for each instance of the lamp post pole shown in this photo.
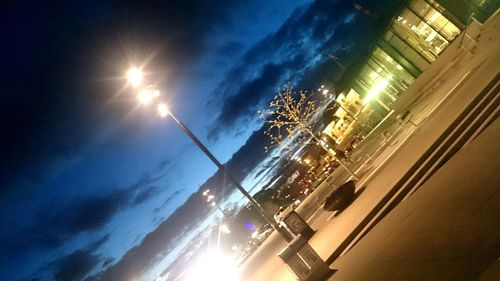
(150, 93)
(252, 201)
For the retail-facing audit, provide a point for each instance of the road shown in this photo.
(265, 258)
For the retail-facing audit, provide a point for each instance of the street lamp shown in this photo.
(135, 76)
(150, 94)
(210, 199)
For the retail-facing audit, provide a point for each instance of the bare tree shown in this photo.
(290, 116)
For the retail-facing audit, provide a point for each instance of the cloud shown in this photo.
(289, 54)
(155, 245)
(145, 194)
(168, 200)
(78, 264)
(50, 230)
(248, 95)
(164, 164)
(54, 226)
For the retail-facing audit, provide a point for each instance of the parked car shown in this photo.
(341, 197)
(284, 211)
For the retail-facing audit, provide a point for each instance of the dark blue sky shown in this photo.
(88, 180)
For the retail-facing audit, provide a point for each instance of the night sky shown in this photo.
(95, 187)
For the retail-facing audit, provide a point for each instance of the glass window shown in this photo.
(419, 34)
(420, 7)
(407, 52)
(395, 70)
(439, 22)
(450, 30)
(434, 18)
(379, 84)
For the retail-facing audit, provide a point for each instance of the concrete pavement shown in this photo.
(392, 171)
(447, 230)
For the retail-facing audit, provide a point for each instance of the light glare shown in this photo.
(135, 76)
(214, 266)
(146, 96)
(375, 90)
(224, 228)
(162, 110)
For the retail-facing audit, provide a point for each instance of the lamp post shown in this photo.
(210, 199)
(148, 95)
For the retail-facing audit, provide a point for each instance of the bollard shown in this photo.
(304, 261)
(319, 269)
(298, 266)
(298, 226)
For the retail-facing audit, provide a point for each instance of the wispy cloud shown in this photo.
(297, 48)
(51, 229)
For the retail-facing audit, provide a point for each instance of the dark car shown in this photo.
(341, 197)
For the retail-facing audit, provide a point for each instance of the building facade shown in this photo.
(415, 37)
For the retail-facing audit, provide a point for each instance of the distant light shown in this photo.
(135, 76)
(325, 92)
(224, 228)
(213, 204)
(250, 226)
(214, 266)
(163, 111)
(146, 96)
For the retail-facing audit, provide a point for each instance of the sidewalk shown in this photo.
(446, 99)
(336, 233)
(447, 230)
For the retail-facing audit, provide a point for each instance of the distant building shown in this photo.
(414, 38)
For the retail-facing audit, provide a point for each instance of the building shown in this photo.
(413, 39)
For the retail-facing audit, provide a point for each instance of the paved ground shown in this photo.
(447, 230)
(442, 92)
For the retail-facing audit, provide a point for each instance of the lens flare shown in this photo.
(214, 266)
(135, 76)
(145, 96)
(162, 110)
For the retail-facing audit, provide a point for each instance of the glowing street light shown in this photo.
(210, 199)
(148, 95)
(224, 228)
(135, 76)
(214, 266)
(162, 110)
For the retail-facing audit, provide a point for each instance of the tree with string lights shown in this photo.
(290, 117)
